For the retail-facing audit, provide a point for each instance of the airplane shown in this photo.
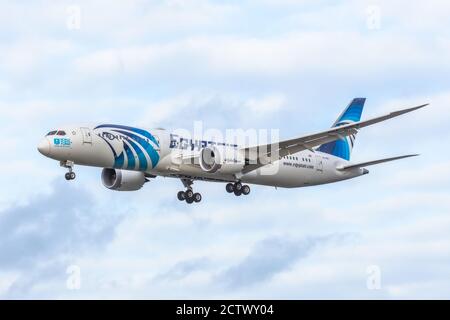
(131, 157)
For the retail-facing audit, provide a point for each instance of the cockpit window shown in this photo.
(61, 133)
(51, 133)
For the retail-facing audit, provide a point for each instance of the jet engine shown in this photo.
(123, 180)
(226, 160)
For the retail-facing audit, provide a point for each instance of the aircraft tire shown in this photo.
(197, 197)
(181, 196)
(189, 194)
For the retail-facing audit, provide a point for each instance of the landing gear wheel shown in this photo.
(229, 187)
(245, 190)
(68, 165)
(238, 186)
(237, 192)
(197, 197)
(189, 194)
(181, 196)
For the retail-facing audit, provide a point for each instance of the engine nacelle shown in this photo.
(226, 160)
(123, 180)
(210, 160)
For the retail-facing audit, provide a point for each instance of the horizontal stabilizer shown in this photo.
(371, 163)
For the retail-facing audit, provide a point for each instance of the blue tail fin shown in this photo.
(343, 148)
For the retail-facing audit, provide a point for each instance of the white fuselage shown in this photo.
(159, 153)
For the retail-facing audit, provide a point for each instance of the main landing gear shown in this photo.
(69, 165)
(189, 196)
(238, 189)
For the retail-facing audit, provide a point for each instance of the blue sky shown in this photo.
(287, 65)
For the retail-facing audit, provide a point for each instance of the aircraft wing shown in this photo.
(371, 163)
(264, 154)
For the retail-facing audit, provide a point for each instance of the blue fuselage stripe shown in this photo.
(130, 156)
(142, 159)
(154, 156)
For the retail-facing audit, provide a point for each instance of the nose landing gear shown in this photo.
(70, 176)
(189, 196)
(238, 189)
(69, 165)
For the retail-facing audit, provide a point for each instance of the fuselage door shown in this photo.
(319, 164)
(157, 147)
(87, 136)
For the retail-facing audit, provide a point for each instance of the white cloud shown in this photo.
(433, 175)
(126, 60)
(169, 63)
(193, 104)
(347, 53)
(131, 21)
(159, 112)
(267, 104)
(24, 57)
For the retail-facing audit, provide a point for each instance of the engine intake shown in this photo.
(210, 160)
(123, 180)
(226, 160)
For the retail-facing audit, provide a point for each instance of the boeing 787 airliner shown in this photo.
(131, 156)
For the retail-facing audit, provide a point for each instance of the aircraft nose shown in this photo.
(44, 147)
